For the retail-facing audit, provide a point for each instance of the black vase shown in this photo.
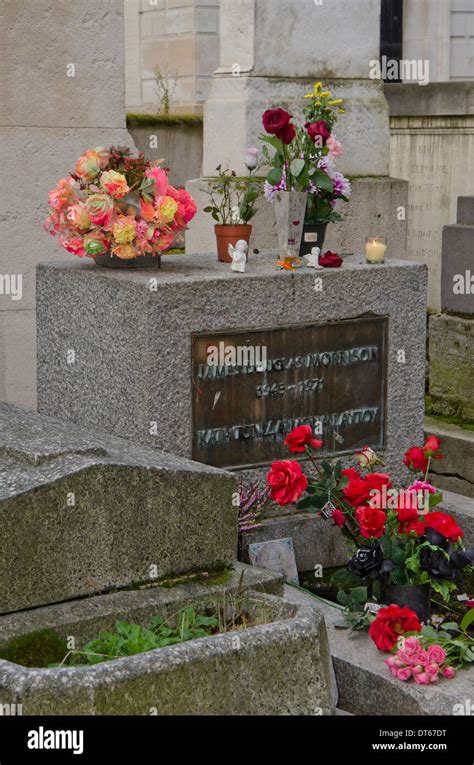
(313, 236)
(417, 597)
(142, 261)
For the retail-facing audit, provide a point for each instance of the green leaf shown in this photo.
(467, 620)
(435, 499)
(428, 631)
(322, 180)
(359, 594)
(297, 167)
(274, 176)
(450, 626)
(304, 503)
(343, 598)
(272, 140)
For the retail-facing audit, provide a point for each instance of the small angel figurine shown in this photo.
(239, 256)
(312, 260)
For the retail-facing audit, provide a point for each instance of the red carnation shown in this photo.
(416, 459)
(390, 624)
(301, 437)
(330, 260)
(444, 524)
(316, 129)
(371, 522)
(287, 482)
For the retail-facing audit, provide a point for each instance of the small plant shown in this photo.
(165, 88)
(232, 199)
(252, 501)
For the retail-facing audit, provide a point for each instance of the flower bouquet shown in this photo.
(403, 547)
(117, 209)
(303, 165)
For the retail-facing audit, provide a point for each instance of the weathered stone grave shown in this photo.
(96, 529)
(125, 352)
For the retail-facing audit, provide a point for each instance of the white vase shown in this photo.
(290, 210)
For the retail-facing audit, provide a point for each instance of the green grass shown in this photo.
(38, 649)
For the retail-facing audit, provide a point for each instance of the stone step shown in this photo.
(81, 512)
(365, 685)
(457, 269)
(465, 211)
(455, 472)
(451, 351)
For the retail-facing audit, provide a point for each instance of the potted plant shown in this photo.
(402, 547)
(302, 180)
(232, 204)
(118, 209)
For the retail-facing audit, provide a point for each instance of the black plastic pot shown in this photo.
(314, 235)
(417, 597)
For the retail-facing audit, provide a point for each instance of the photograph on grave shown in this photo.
(236, 371)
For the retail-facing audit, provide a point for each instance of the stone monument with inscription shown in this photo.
(188, 361)
(271, 54)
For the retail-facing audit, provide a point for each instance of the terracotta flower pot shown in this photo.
(226, 235)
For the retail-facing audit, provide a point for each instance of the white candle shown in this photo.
(375, 248)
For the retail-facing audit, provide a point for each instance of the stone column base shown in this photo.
(375, 209)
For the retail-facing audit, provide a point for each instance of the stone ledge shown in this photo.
(434, 99)
(455, 472)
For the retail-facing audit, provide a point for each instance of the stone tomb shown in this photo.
(127, 351)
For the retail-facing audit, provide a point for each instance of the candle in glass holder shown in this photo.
(375, 248)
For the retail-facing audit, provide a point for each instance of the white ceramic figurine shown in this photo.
(239, 256)
(312, 260)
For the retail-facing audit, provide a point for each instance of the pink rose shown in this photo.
(114, 184)
(417, 669)
(449, 672)
(432, 669)
(436, 654)
(160, 178)
(335, 147)
(100, 208)
(411, 645)
(404, 673)
(77, 214)
(420, 658)
(421, 678)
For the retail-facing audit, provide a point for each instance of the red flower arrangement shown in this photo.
(397, 535)
(390, 624)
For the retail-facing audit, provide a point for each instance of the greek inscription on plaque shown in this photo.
(251, 387)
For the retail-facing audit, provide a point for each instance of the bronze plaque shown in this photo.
(251, 387)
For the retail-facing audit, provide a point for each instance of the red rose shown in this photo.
(275, 120)
(371, 521)
(287, 482)
(357, 491)
(416, 459)
(444, 524)
(431, 447)
(330, 260)
(390, 624)
(301, 437)
(351, 473)
(409, 518)
(378, 480)
(315, 129)
(338, 518)
(287, 133)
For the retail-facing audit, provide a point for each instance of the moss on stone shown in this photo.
(458, 421)
(37, 649)
(163, 120)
